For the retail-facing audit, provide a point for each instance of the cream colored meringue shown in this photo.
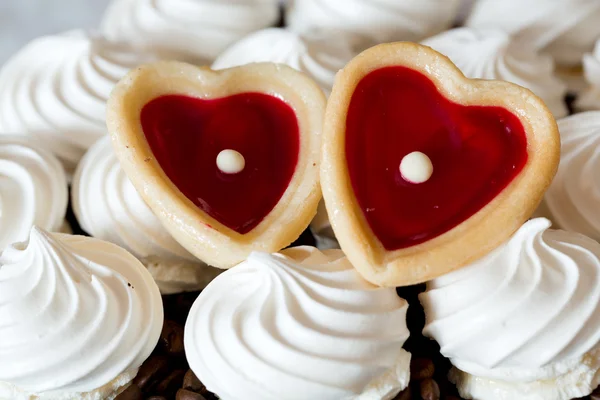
(298, 325)
(189, 30)
(318, 57)
(33, 190)
(565, 29)
(369, 22)
(55, 90)
(590, 98)
(490, 54)
(108, 207)
(574, 195)
(524, 321)
(79, 317)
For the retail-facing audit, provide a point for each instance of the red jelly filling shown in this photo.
(186, 134)
(476, 152)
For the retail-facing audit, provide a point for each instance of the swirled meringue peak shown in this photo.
(490, 54)
(318, 57)
(33, 190)
(370, 22)
(590, 98)
(565, 29)
(524, 321)
(55, 90)
(78, 316)
(108, 207)
(298, 325)
(574, 195)
(190, 30)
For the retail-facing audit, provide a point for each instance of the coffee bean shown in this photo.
(451, 397)
(133, 392)
(183, 394)
(429, 390)
(152, 370)
(171, 338)
(191, 382)
(406, 394)
(177, 306)
(421, 368)
(169, 386)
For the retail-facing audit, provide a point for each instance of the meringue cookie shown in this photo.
(590, 98)
(565, 29)
(79, 317)
(108, 207)
(33, 190)
(322, 230)
(490, 54)
(56, 87)
(370, 22)
(318, 57)
(298, 325)
(190, 30)
(524, 321)
(573, 197)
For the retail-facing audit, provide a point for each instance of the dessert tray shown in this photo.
(332, 200)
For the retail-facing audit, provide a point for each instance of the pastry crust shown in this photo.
(202, 235)
(476, 236)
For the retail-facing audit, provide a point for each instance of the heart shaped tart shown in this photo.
(424, 170)
(228, 160)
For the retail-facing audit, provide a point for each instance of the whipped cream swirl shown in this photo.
(526, 315)
(192, 30)
(490, 54)
(298, 325)
(590, 99)
(573, 197)
(318, 57)
(55, 90)
(565, 29)
(75, 314)
(369, 22)
(33, 190)
(108, 207)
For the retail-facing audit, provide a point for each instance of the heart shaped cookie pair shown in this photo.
(422, 169)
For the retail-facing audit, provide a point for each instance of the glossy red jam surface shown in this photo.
(475, 151)
(186, 134)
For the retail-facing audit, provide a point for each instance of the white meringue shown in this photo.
(565, 29)
(33, 190)
(79, 317)
(108, 207)
(189, 30)
(370, 22)
(321, 229)
(318, 57)
(590, 98)
(573, 197)
(298, 325)
(55, 90)
(524, 321)
(490, 54)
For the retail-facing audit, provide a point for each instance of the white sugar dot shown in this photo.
(416, 167)
(230, 161)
